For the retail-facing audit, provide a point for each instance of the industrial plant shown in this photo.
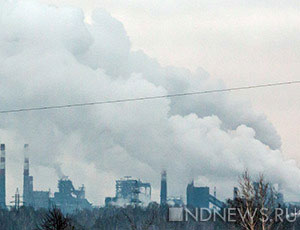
(128, 191)
(201, 198)
(68, 199)
(36, 199)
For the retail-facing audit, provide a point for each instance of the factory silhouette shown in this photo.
(68, 199)
(129, 191)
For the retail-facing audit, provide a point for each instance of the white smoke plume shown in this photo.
(50, 56)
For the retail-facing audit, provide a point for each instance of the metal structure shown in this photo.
(216, 202)
(17, 200)
(68, 199)
(163, 188)
(2, 177)
(130, 191)
(199, 197)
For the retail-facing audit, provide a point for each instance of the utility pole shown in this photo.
(17, 200)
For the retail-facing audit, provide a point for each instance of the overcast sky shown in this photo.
(119, 49)
(241, 42)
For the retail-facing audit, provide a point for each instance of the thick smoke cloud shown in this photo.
(51, 56)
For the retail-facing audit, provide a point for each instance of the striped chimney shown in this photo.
(26, 160)
(27, 180)
(2, 177)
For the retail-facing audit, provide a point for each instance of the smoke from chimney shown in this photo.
(58, 171)
(214, 136)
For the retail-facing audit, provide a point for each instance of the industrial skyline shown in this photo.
(113, 113)
(128, 191)
(71, 57)
(68, 199)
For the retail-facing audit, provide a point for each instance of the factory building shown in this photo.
(197, 196)
(68, 199)
(130, 191)
(163, 188)
(2, 177)
(31, 198)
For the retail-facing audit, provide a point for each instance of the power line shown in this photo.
(149, 97)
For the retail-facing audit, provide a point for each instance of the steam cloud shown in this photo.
(51, 56)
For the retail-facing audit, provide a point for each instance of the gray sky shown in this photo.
(241, 42)
(125, 49)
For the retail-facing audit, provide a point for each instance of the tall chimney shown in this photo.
(2, 177)
(27, 180)
(235, 193)
(163, 188)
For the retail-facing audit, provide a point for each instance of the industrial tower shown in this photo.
(235, 193)
(27, 179)
(130, 191)
(2, 177)
(35, 199)
(163, 188)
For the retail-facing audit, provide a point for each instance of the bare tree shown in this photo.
(55, 220)
(266, 202)
(255, 203)
(247, 203)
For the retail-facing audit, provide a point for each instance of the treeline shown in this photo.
(152, 217)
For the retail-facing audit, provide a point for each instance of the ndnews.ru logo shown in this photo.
(179, 214)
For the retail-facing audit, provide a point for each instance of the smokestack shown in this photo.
(26, 160)
(163, 188)
(235, 192)
(2, 177)
(27, 180)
